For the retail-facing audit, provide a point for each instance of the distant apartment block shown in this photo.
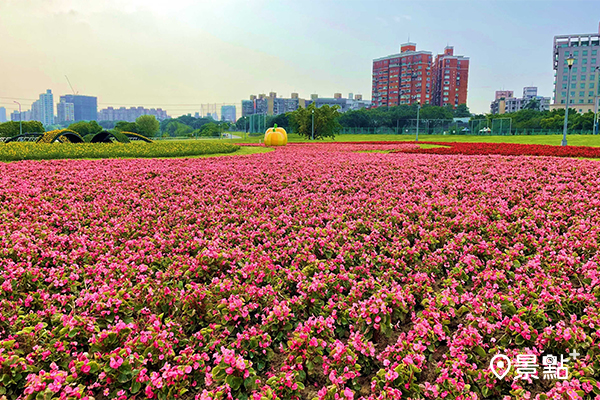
(506, 103)
(23, 116)
(2, 114)
(65, 112)
(412, 77)
(247, 107)
(273, 105)
(130, 114)
(503, 93)
(228, 113)
(85, 107)
(583, 89)
(345, 104)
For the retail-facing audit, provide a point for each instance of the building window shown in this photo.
(562, 102)
(565, 70)
(572, 94)
(584, 60)
(591, 93)
(582, 86)
(575, 68)
(573, 85)
(592, 77)
(583, 69)
(581, 94)
(591, 85)
(593, 61)
(583, 77)
(594, 52)
(590, 101)
(584, 53)
(563, 94)
(575, 53)
(564, 86)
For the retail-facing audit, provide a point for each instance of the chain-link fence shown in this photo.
(483, 127)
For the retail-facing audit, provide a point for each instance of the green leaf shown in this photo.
(519, 340)
(135, 387)
(485, 391)
(479, 350)
(234, 381)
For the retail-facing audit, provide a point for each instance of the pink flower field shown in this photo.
(313, 271)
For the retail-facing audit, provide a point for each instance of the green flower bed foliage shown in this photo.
(42, 151)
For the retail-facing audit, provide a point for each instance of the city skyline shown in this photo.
(230, 48)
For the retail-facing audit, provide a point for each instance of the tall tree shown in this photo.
(462, 111)
(12, 128)
(147, 125)
(124, 126)
(325, 121)
(85, 128)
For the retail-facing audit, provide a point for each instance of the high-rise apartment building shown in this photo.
(450, 79)
(43, 109)
(585, 72)
(65, 112)
(228, 113)
(2, 114)
(86, 107)
(411, 77)
(247, 107)
(403, 78)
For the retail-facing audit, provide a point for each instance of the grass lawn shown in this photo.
(573, 140)
(243, 151)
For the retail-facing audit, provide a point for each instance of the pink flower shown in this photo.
(115, 362)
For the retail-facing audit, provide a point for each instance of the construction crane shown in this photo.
(74, 92)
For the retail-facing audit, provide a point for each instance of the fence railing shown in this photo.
(437, 131)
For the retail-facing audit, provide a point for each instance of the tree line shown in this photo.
(328, 121)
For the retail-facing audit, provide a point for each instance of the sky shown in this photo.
(180, 54)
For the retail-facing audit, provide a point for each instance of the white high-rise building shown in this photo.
(583, 87)
(43, 109)
(2, 114)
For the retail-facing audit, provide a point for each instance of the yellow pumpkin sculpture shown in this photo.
(275, 136)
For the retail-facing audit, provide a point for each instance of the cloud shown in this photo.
(400, 18)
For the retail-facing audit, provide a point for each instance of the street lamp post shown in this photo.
(313, 125)
(20, 119)
(570, 62)
(596, 104)
(418, 109)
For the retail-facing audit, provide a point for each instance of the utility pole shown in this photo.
(20, 119)
(313, 125)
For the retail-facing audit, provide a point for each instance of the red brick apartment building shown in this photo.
(408, 78)
(450, 79)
